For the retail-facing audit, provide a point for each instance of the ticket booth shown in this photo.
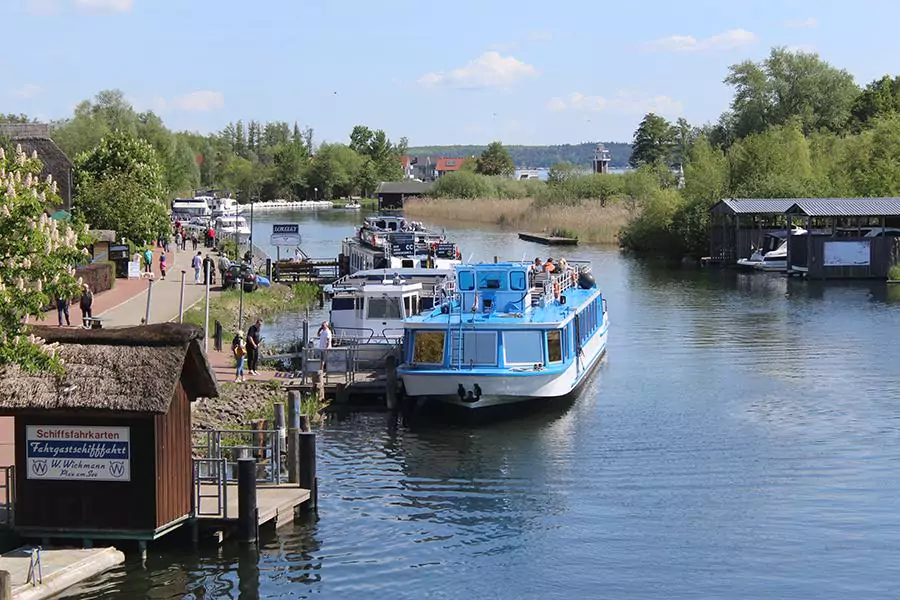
(104, 451)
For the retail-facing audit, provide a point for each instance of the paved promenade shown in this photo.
(126, 303)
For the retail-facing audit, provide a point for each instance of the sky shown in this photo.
(462, 72)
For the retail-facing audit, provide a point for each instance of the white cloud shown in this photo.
(491, 69)
(727, 40)
(42, 7)
(28, 91)
(119, 6)
(624, 101)
(809, 23)
(200, 101)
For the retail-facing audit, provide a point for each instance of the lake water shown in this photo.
(740, 441)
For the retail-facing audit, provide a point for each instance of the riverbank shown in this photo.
(241, 403)
(588, 221)
(260, 304)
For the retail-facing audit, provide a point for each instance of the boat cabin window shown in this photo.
(554, 346)
(517, 281)
(428, 347)
(466, 281)
(410, 305)
(384, 308)
(490, 280)
(523, 347)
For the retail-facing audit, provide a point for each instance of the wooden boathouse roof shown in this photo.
(133, 369)
(845, 207)
(753, 206)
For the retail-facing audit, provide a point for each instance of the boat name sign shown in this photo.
(285, 234)
(403, 244)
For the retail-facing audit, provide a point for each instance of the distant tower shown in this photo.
(600, 162)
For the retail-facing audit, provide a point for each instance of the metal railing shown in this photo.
(8, 495)
(210, 472)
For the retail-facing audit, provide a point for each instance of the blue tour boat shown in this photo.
(506, 335)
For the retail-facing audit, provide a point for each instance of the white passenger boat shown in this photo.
(506, 336)
(232, 227)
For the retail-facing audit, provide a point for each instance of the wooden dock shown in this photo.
(60, 569)
(275, 503)
(550, 240)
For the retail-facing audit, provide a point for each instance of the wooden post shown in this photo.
(293, 449)
(390, 367)
(307, 443)
(248, 523)
(5, 586)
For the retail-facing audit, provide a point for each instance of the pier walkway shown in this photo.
(59, 569)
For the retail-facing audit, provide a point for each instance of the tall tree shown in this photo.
(495, 160)
(879, 98)
(791, 86)
(653, 141)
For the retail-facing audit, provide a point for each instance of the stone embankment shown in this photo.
(238, 404)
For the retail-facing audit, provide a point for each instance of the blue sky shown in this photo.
(467, 71)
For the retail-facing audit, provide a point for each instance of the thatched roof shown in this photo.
(134, 369)
(35, 137)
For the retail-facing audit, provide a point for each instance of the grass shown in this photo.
(588, 221)
(261, 304)
(894, 273)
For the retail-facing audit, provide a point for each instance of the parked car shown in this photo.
(240, 273)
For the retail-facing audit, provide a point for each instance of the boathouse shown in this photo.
(737, 226)
(104, 450)
(854, 238)
(393, 194)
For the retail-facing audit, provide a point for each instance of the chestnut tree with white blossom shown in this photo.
(38, 257)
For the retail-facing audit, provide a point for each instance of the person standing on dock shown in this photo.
(239, 349)
(253, 341)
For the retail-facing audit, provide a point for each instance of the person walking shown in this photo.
(224, 265)
(253, 341)
(197, 262)
(162, 265)
(85, 304)
(148, 260)
(179, 240)
(194, 239)
(62, 310)
(209, 270)
(239, 349)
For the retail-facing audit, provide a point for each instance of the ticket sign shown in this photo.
(403, 244)
(285, 234)
(60, 452)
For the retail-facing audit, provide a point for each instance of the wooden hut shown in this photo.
(104, 450)
(393, 194)
(738, 225)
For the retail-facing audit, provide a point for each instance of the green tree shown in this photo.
(879, 98)
(705, 183)
(335, 171)
(654, 140)
(121, 160)
(495, 160)
(38, 256)
(561, 173)
(790, 87)
(772, 164)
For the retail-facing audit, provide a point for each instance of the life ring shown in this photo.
(556, 289)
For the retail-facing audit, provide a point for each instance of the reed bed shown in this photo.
(589, 221)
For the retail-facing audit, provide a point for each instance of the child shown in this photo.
(239, 349)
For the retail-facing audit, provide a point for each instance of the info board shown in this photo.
(285, 234)
(63, 452)
(847, 254)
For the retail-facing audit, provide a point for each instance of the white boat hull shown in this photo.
(505, 388)
(773, 265)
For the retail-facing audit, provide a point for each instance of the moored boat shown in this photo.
(506, 336)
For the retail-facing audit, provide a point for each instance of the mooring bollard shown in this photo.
(248, 522)
(293, 447)
(304, 423)
(390, 368)
(307, 443)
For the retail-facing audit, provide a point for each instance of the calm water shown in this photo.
(741, 441)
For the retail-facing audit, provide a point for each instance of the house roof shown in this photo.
(35, 137)
(845, 207)
(449, 164)
(403, 187)
(752, 206)
(133, 369)
(405, 161)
